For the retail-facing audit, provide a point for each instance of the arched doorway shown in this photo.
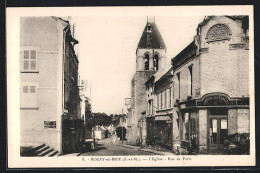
(121, 132)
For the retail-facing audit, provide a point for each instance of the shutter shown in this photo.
(32, 89)
(25, 89)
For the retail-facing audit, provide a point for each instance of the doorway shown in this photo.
(218, 132)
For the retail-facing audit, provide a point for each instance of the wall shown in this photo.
(238, 121)
(224, 69)
(138, 92)
(33, 33)
(185, 81)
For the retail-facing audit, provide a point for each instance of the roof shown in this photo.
(243, 18)
(154, 37)
(162, 72)
(185, 55)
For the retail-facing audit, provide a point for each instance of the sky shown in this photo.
(106, 53)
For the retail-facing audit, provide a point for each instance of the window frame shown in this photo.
(146, 62)
(191, 76)
(29, 94)
(165, 99)
(30, 60)
(179, 84)
(156, 61)
(170, 97)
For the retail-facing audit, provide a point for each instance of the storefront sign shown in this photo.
(127, 101)
(215, 100)
(49, 124)
(162, 118)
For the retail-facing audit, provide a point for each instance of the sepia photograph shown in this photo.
(130, 86)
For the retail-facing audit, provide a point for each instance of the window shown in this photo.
(165, 99)
(189, 127)
(146, 62)
(179, 86)
(161, 101)
(158, 101)
(156, 62)
(170, 97)
(29, 96)
(152, 106)
(186, 128)
(148, 107)
(29, 60)
(149, 28)
(190, 80)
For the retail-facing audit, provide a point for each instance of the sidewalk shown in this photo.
(144, 149)
(70, 155)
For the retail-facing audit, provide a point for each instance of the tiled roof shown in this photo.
(154, 38)
(162, 72)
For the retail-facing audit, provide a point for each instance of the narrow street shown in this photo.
(106, 148)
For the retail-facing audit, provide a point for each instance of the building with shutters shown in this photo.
(49, 94)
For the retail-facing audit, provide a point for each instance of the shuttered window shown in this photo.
(29, 96)
(29, 60)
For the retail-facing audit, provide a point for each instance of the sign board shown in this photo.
(223, 124)
(49, 124)
(127, 101)
(162, 118)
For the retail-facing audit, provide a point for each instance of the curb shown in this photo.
(146, 150)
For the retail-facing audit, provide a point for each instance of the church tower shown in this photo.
(150, 56)
(151, 50)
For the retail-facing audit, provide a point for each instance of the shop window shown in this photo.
(146, 62)
(29, 60)
(189, 127)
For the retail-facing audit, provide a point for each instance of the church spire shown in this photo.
(150, 19)
(151, 37)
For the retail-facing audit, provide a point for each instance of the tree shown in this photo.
(102, 119)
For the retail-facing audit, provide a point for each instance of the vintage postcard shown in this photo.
(125, 86)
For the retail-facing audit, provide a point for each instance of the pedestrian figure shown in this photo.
(193, 143)
(114, 138)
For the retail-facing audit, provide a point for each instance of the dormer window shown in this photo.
(146, 62)
(148, 28)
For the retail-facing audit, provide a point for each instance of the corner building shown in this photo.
(49, 95)
(150, 56)
(211, 84)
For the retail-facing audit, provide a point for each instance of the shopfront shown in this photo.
(208, 122)
(217, 129)
(163, 133)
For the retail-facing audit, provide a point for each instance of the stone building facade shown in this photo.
(150, 56)
(159, 109)
(48, 81)
(211, 84)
